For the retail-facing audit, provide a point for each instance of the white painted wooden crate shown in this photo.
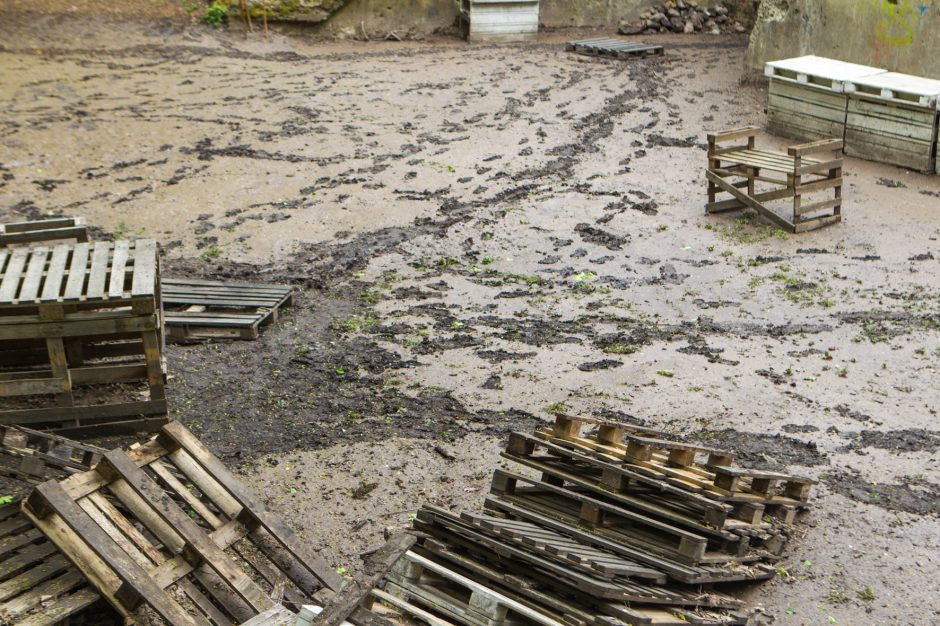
(893, 118)
(807, 99)
(503, 20)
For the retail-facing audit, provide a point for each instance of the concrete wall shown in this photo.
(900, 35)
(558, 13)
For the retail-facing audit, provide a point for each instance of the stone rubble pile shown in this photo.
(683, 16)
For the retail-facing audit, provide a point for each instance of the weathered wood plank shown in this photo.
(51, 499)
(78, 270)
(51, 289)
(177, 436)
(118, 265)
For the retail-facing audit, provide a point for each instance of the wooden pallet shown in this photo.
(167, 525)
(56, 229)
(656, 459)
(471, 589)
(641, 532)
(556, 546)
(205, 309)
(56, 302)
(615, 48)
(561, 461)
(489, 541)
(38, 585)
(33, 456)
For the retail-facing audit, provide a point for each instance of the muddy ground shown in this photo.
(480, 234)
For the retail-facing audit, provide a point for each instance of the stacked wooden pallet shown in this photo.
(166, 525)
(893, 118)
(76, 315)
(621, 527)
(56, 229)
(162, 532)
(807, 99)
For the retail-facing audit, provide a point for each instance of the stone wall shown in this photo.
(378, 17)
(900, 35)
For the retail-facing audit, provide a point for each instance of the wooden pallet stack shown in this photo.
(621, 527)
(164, 532)
(76, 319)
(55, 229)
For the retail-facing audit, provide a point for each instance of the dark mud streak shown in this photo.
(758, 451)
(912, 496)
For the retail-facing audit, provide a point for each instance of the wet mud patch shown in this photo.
(309, 381)
(600, 237)
(768, 452)
(498, 356)
(883, 326)
(905, 440)
(913, 495)
(603, 364)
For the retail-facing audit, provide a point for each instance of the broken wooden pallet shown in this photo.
(38, 585)
(550, 572)
(55, 229)
(205, 309)
(615, 48)
(438, 579)
(167, 525)
(563, 515)
(34, 456)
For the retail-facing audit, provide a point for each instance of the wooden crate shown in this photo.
(892, 118)
(167, 525)
(56, 229)
(806, 96)
(78, 315)
(208, 309)
(499, 20)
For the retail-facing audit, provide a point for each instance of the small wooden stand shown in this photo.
(802, 176)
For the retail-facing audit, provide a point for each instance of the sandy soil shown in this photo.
(481, 232)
